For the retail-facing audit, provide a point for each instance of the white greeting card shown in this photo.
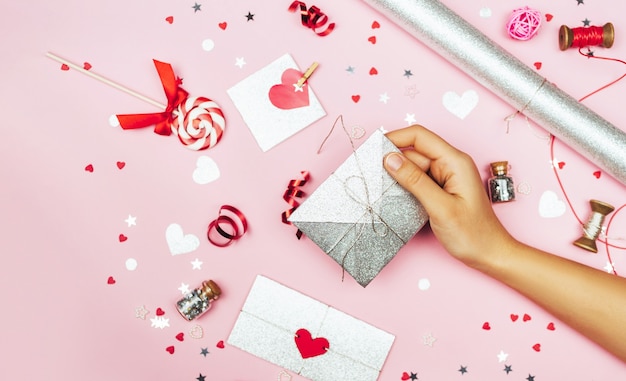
(272, 104)
(308, 337)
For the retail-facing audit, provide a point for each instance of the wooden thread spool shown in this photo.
(593, 227)
(567, 37)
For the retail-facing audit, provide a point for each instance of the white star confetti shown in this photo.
(196, 264)
(160, 322)
(131, 221)
(609, 267)
(240, 62)
(410, 119)
(502, 356)
(297, 88)
(141, 312)
(184, 289)
(384, 98)
(428, 339)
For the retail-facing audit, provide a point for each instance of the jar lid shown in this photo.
(499, 167)
(211, 290)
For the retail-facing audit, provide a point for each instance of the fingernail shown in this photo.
(394, 161)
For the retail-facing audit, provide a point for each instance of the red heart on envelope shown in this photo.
(308, 346)
(287, 95)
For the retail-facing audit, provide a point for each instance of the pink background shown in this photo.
(60, 223)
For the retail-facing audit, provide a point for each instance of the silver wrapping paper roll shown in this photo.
(489, 64)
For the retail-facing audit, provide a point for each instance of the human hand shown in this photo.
(447, 183)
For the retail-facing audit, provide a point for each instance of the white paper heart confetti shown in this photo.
(550, 206)
(178, 242)
(460, 105)
(206, 170)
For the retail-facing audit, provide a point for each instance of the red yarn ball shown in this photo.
(524, 23)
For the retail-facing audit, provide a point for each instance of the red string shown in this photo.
(236, 231)
(312, 18)
(291, 194)
(587, 36)
(590, 37)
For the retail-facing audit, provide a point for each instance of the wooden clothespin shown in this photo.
(307, 74)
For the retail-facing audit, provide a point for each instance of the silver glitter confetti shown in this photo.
(455, 39)
(271, 315)
(360, 216)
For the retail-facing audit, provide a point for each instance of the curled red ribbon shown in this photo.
(312, 18)
(222, 238)
(162, 121)
(292, 193)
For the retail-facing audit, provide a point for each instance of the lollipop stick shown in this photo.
(106, 81)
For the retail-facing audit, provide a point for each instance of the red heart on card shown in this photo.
(526, 317)
(111, 280)
(122, 238)
(549, 17)
(287, 95)
(220, 344)
(372, 39)
(537, 65)
(373, 71)
(120, 164)
(356, 98)
(551, 326)
(223, 25)
(537, 347)
(405, 376)
(86, 66)
(514, 317)
(597, 174)
(308, 346)
(169, 19)
(89, 168)
(180, 336)
(486, 326)
(170, 349)
(160, 312)
(375, 25)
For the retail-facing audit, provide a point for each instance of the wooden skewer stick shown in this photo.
(106, 81)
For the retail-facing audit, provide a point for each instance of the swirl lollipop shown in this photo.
(197, 121)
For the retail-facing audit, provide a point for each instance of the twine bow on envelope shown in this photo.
(162, 121)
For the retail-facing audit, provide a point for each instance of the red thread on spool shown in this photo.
(586, 36)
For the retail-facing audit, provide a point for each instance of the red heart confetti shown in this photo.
(120, 164)
(405, 376)
(372, 39)
(597, 174)
(169, 19)
(373, 71)
(356, 98)
(89, 168)
(170, 349)
(223, 25)
(548, 17)
(537, 347)
(180, 336)
(122, 238)
(375, 25)
(486, 326)
(64, 67)
(220, 344)
(111, 280)
(526, 317)
(561, 164)
(308, 346)
(160, 312)
(551, 326)
(86, 66)
(537, 65)
(514, 317)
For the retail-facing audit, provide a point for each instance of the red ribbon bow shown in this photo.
(162, 121)
(312, 18)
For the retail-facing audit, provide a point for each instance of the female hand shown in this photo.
(447, 183)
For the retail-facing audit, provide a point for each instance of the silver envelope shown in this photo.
(360, 216)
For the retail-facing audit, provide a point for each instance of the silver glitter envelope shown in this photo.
(308, 337)
(360, 216)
